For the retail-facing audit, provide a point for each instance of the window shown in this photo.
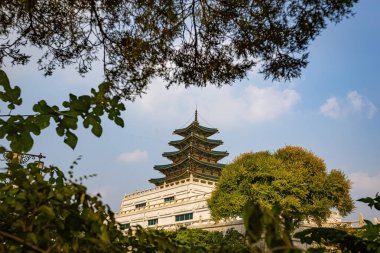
(140, 205)
(169, 199)
(125, 226)
(182, 217)
(152, 222)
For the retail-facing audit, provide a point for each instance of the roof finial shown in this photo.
(196, 115)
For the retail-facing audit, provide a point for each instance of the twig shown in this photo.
(22, 241)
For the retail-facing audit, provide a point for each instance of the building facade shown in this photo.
(179, 198)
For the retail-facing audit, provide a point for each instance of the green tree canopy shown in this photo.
(292, 181)
(42, 210)
(191, 42)
(198, 240)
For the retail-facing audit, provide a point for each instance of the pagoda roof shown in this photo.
(212, 153)
(209, 141)
(157, 181)
(195, 125)
(171, 165)
(200, 175)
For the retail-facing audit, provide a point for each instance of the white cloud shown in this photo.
(364, 185)
(372, 109)
(334, 107)
(331, 108)
(228, 106)
(133, 157)
(269, 103)
(355, 101)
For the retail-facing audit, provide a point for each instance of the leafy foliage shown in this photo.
(372, 202)
(266, 230)
(43, 211)
(198, 240)
(292, 182)
(182, 41)
(18, 129)
(363, 239)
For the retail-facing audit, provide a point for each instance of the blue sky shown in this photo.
(332, 110)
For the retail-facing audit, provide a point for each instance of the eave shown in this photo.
(161, 168)
(219, 154)
(211, 142)
(157, 181)
(195, 125)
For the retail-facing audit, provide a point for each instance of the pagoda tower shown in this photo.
(195, 156)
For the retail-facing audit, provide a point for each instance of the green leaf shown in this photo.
(84, 103)
(71, 139)
(21, 143)
(70, 122)
(86, 122)
(43, 121)
(34, 128)
(60, 130)
(4, 128)
(4, 81)
(104, 235)
(98, 110)
(121, 107)
(32, 237)
(47, 210)
(367, 200)
(119, 121)
(12, 96)
(97, 129)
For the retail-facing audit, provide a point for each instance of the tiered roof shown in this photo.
(195, 155)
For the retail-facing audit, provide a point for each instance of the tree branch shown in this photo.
(22, 241)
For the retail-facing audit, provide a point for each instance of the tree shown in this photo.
(19, 129)
(292, 182)
(363, 239)
(41, 210)
(184, 42)
(198, 240)
(188, 42)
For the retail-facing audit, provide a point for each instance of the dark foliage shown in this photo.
(190, 42)
(363, 239)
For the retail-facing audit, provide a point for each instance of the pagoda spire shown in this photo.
(195, 155)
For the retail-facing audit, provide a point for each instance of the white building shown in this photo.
(180, 197)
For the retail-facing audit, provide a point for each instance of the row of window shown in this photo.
(140, 205)
(167, 199)
(125, 226)
(152, 222)
(182, 217)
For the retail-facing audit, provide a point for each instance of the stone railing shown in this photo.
(175, 183)
(175, 202)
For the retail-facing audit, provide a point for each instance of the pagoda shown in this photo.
(195, 156)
